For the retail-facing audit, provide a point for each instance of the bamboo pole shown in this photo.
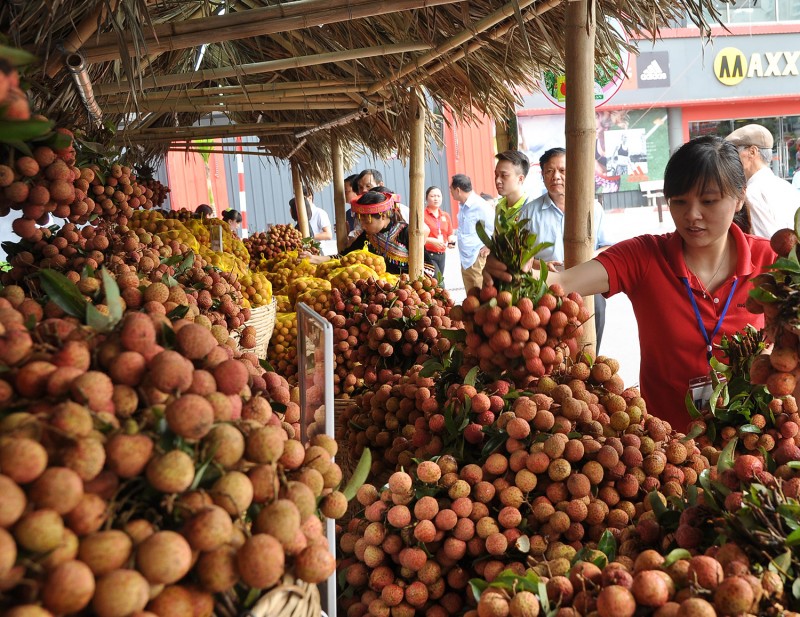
(459, 39)
(233, 99)
(255, 107)
(299, 199)
(257, 68)
(501, 136)
(416, 179)
(247, 24)
(580, 134)
(340, 216)
(227, 151)
(264, 90)
(211, 131)
(80, 35)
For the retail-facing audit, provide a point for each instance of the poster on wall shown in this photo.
(632, 146)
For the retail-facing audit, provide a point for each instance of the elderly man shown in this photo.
(772, 201)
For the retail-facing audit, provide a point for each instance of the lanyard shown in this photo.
(700, 323)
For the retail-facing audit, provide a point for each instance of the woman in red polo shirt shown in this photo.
(440, 229)
(687, 288)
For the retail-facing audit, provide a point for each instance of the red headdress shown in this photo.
(384, 206)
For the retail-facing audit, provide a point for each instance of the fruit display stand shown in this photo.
(315, 354)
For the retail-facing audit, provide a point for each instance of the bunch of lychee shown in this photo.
(160, 191)
(286, 270)
(282, 350)
(717, 583)
(128, 465)
(519, 337)
(277, 240)
(374, 262)
(380, 325)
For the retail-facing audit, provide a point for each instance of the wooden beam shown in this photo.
(83, 31)
(162, 105)
(207, 132)
(340, 215)
(256, 68)
(416, 179)
(299, 199)
(459, 39)
(226, 151)
(296, 89)
(581, 135)
(255, 107)
(247, 24)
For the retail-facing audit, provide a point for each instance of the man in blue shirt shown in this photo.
(472, 208)
(546, 216)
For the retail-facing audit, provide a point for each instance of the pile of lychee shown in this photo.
(282, 350)
(277, 240)
(519, 337)
(379, 325)
(149, 468)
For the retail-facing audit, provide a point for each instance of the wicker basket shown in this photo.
(263, 319)
(290, 598)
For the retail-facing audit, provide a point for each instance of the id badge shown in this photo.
(701, 389)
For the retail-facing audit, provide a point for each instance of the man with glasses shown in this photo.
(771, 200)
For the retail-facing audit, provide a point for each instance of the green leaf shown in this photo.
(179, 312)
(797, 222)
(725, 460)
(187, 263)
(113, 299)
(16, 56)
(705, 482)
(658, 506)
(266, 365)
(477, 586)
(172, 261)
(793, 539)
(762, 295)
(97, 320)
(608, 545)
(469, 380)
(749, 428)
(494, 442)
(688, 400)
(457, 336)
(480, 229)
(796, 588)
(696, 431)
(23, 130)
(359, 475)
(64, 293)
(782, 263)
(782, 563)
(675, 555)
(430, 368)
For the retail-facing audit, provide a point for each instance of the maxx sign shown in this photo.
(731, 66)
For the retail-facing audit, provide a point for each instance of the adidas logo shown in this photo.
(653, 72)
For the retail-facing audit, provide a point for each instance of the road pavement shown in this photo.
(621, 335)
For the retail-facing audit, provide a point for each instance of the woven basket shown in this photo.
(292, 598)
(263, 319)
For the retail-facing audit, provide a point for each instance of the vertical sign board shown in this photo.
(315, 354)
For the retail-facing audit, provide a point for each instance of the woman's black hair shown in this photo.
(375, 197)
(204, 210)
(231, 215)
(704, 161)
(429, 189)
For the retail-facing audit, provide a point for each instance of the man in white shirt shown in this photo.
(472, 208)
(772, 201)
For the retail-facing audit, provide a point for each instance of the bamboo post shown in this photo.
(340, 217)
(416, 178)
(82, 33)
(501, 136)
(580, 134)
(299, 200)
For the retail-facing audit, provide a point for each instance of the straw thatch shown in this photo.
(286, 68)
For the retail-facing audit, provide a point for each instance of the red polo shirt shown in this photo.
(440, 227)
(649, 269)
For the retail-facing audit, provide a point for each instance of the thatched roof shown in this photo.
(283, 69)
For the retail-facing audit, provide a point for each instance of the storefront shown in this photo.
(676, 89)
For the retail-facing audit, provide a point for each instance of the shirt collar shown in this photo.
(503, 201)
(744, 258)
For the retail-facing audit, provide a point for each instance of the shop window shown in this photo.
(788, 10)
(753, 11)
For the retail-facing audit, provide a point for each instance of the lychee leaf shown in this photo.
(63, 292)
(694, 414)
(23, 130)
(726, 457)
(477, 586)
(750, 428)
(113, 299)
(762, 295)
(782, 263)
(98, 321)
(470, 378)
(608, 545)
(796, 588)
(797, 222)
(359, 475)
(675, 555)
(696, 431)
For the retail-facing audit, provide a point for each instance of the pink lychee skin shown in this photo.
(747, 466)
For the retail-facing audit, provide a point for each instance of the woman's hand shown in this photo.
(314, 259)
